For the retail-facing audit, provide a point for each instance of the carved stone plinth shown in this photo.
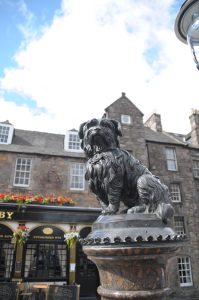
(131, 253)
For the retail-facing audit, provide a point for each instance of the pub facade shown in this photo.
(34, 252)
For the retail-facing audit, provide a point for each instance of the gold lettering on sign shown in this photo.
(6, 215)
(2, 215)
(9, 214)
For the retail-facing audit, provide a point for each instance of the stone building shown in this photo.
(38, 163)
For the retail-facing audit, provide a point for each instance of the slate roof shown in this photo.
(35, 142)
(164, 137)
(25, 141)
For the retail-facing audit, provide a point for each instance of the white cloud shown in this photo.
(24, 118)
(86, 58)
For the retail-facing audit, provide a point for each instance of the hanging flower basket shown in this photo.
(71, 238)
(20, 236)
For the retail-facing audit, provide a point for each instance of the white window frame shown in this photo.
(179, 225)
(175, 192)
(77, 173)
(6, 133)
(184, 271)
(126, 119)
(196, 168)
(72, 146)
(171, 159)
(22, 171)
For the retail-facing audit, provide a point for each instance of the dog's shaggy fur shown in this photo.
(114, 175)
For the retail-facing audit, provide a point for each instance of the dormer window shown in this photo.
(72, 141)
(126, 119)
(6, 132)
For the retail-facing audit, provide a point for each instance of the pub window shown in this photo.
(196, 168)
(46, 262)
(22, 172)
(171, 159)
(175, 192)
(179, 225)
(6, 260)
(184, 271)
(77, 176)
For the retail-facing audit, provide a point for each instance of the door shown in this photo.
(86, 272)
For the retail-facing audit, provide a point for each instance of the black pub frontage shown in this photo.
(36, 260)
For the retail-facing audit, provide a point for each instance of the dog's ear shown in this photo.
(81, 132)
(117, 126)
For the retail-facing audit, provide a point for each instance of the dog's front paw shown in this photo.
(136, 209)
(110, 210)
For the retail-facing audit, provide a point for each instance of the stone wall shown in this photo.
(133, 135)
(49, 176)
(188, 208)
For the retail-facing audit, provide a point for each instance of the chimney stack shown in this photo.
(194, 120)
(154, 122)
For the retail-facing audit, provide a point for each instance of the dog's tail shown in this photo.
(165, 211)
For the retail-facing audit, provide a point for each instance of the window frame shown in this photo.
(186, 271)
(179, 225)
(195, 168)
(128, 120)
(10, 258)
(9, 135)
(72, 168)
(67, 141)
(177, 193)
(24, 171)
(32, 246)
(172, 159)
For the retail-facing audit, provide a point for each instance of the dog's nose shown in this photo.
(97, 128)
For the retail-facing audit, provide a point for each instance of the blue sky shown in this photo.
(64, 61)
(16, 15)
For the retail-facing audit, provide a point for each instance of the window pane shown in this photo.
(46, 260)
(4, 133)
(179, 225)
(74, 142)
(171, 159)
(175, 193)
(77, 177)
(171, 165)
(184, 271)
(6, 259)
(196, 168)
(22, 172)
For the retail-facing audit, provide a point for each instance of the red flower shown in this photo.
(35, 199)
(22, 227)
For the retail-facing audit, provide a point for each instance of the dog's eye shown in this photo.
(93, 122)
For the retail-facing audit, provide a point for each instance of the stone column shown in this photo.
(131, 253)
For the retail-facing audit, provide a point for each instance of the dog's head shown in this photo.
(99, 135)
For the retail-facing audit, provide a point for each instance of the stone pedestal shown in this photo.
(131, 253)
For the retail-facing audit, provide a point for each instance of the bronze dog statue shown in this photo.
(114, 175)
